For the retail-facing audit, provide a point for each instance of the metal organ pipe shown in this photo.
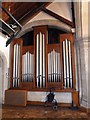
(37, 59)
(64, 61)
(40, 60)
(27, 67)
(58, 67)
(70, 65)
(52, 67)
(49, 67)
(16, 66)
(23, 68)
(54, 64)
(32, 66)
(43, 61)
(67, 64)
(54, 70)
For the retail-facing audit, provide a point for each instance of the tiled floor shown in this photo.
(40, 112)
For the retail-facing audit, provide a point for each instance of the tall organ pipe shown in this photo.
(67, 63)
(49, 67)
(59, 67)
(70, 65)
(40, 60)
(14, 64)
(37, 59)
(30, 65)
(64, 60)
(54, 64)
(18, 65)
(43, 61)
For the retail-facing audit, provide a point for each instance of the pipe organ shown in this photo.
(41, 65)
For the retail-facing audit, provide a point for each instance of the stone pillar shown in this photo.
(83, 50)
(89, 55)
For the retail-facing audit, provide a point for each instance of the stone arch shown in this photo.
(54, 23)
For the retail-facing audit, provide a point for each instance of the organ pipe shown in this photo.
(54, 66)
(37, 59)
(16, 66)
(70, 65)
(43, 61)
(40, 60)
(27, 67)
(67, 64)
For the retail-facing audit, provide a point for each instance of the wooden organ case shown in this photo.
(41, 65)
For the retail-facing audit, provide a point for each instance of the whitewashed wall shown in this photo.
(4, 56)
(61, 8)
(61, 97)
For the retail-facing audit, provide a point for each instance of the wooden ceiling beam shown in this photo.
(26, 12)
(19, 11)
(60, 18)
(73, 13)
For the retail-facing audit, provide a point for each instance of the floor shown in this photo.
(41, 112)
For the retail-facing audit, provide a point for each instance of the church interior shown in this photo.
(44, 59)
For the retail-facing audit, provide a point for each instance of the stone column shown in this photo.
(82, 54)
